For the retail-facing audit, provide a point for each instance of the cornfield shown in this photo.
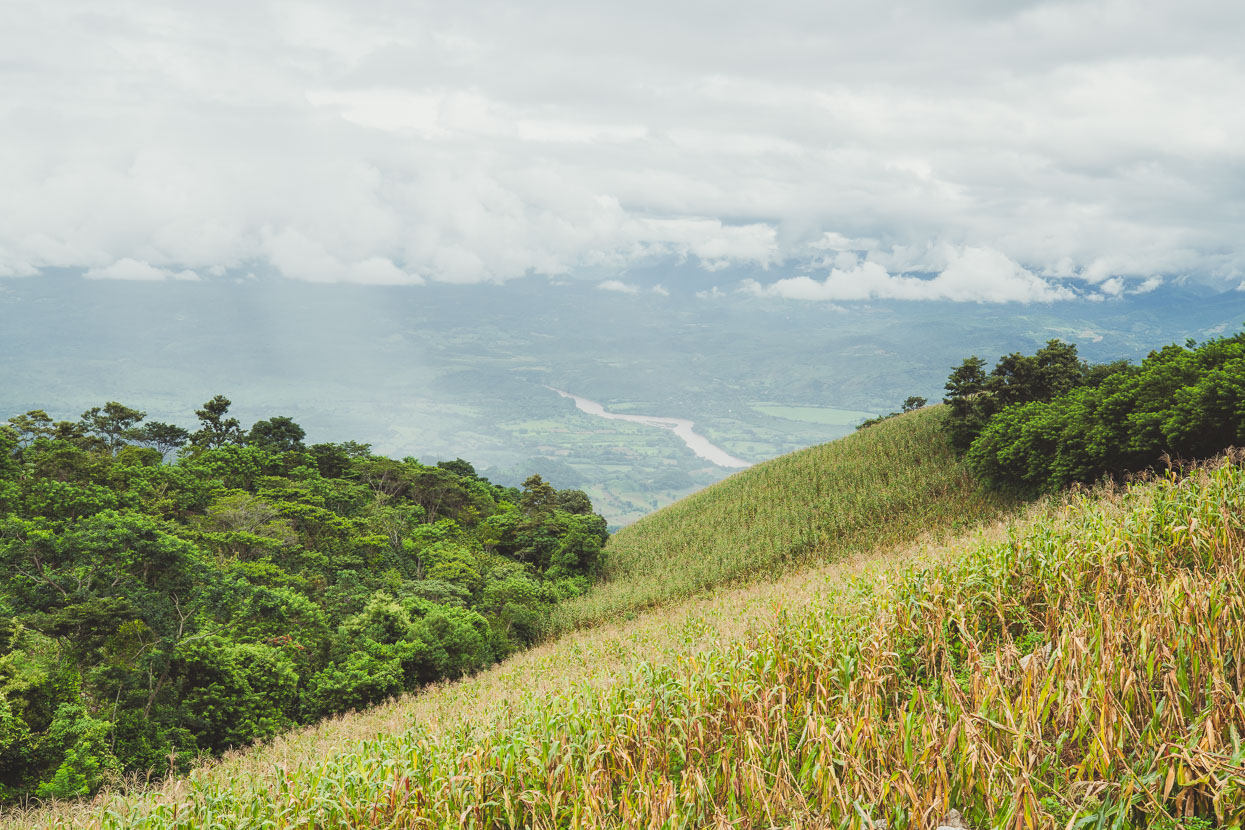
(877, 488)
(1081, 667)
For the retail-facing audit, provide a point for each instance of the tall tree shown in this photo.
(162, 437)
(216, 430)
(112, 423)
(538, 497)
(34, 424)
(277, 434)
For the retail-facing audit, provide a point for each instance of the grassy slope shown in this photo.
(869, 491)
(869, 681)
(1086, 663)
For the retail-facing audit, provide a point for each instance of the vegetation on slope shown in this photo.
(1041, 422)
(880, 487)
(153, 613)
(906, 476)
(1083, 669)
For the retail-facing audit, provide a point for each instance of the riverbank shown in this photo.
(681, 427)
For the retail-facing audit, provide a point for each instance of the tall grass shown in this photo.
(1084, 668)
(880, 487)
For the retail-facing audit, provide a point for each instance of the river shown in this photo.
(681, 427)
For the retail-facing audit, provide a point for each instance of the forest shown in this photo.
(168, 594)
(1038, 423)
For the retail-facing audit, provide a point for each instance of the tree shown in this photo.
(112, 423)
(975, 397)
(277, 434)
(914, 403)
(162, 437)
(966, 388)
(538, 497)
(336, 460)
(459, 467)
(1185, 403)
(574, 501)
(34, 424)
(8, 450)
(216, 430)
(153, 611)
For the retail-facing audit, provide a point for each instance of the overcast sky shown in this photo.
(1016, 151)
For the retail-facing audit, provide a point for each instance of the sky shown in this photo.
(992, 151)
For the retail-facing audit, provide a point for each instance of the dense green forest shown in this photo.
(1037, 423)
(153, 611)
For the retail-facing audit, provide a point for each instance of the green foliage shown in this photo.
(1078, 668)
(152, 613)
(215, 429)
(112, 423)
(86, 759)
(360, 681)
(975, 397)
(161, 437)
(279, 434)
(1181, 402)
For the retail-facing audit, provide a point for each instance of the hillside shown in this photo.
(871, 492)
(1078, 668)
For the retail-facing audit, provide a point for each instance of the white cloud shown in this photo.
(381, 271)
(137, 270)
(1112, 287)
(618, 286)
(660, 290)
(968, 275)
(16, 269)
(391, 144)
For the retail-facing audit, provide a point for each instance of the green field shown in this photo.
(825, 415)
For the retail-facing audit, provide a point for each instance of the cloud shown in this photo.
(137, 270)
(618, 286)
(300, 258)
(1112, 287)
(340, 142)
(969, 275)
(630, 288)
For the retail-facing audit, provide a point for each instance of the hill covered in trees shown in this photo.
(152, 613)
(1037, 423)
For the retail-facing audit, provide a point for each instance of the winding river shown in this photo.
(681, 427)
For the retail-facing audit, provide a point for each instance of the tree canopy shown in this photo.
(153, 610)
(1042, 422)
